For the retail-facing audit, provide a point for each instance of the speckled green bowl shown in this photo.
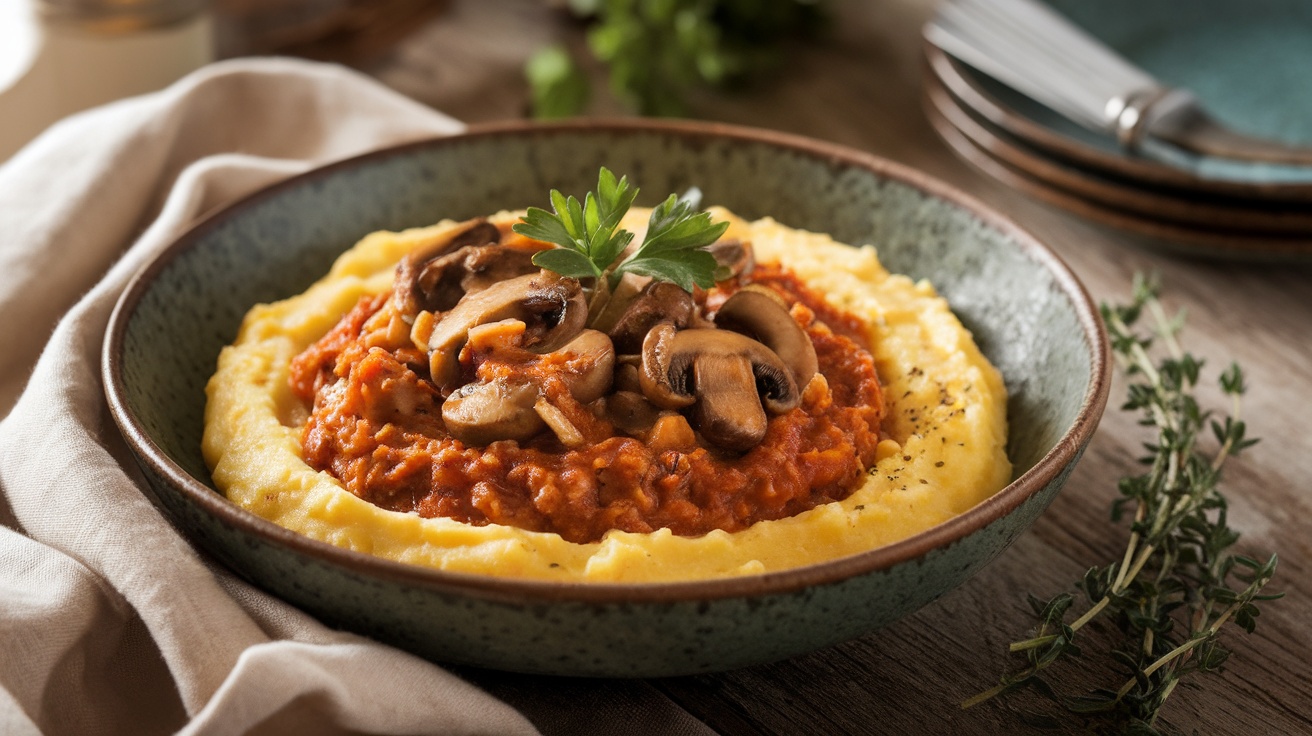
(1027, 311)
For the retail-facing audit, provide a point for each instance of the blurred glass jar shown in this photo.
(76, 54)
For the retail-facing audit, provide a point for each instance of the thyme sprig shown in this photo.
(1178, 582)
(591, 241)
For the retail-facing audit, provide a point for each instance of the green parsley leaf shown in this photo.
(590, 239)
(566, 262)
(684, 268)
(542, 225)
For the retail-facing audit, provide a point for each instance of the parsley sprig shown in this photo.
(591, 242)
(1179, 581)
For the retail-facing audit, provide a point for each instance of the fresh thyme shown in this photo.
(1179, 582)
(591, 241)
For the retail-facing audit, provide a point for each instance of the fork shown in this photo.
(1031, 48)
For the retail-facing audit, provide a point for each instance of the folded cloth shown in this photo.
(109, 621)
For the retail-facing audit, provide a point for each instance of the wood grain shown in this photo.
(861, 88)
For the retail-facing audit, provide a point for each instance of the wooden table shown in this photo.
(861, 88)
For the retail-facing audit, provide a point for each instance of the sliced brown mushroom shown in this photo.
(729, 379)
(762, 315)
(660, 301)
(592, 365)
(626, 373)
(565, 431)
(488, 264)
(408, 295)
(626, 407)
(443, 281)
(553, 308)
(603, 316)
(480, 413)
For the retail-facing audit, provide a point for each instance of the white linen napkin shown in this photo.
(109, 622)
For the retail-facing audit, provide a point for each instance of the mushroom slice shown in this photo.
(593, 360)
(628, 289)
(479, 414)
(626, 373)
(761, 314)
(407, 294)
(631, 412)
(566, 432)
(660, 301)
(443, 281)
(661, 383)
(560, 308)
(552, 307)
(515, 409)
(732, 380)
(486, 265)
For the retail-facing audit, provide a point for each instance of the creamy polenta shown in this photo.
(942, 449)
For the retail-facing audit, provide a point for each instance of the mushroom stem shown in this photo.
(730, 379)
(727, 411)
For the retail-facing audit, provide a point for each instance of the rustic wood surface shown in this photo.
(861, 87)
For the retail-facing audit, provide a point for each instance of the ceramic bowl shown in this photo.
(1027, 311)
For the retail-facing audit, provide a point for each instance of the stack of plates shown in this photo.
(1250, 66)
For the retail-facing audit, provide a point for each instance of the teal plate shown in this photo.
(1027, 311)
(1248, 62)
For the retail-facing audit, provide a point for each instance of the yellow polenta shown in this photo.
(944, 451)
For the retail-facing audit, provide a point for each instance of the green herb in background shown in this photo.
(657, 51)
(559, 88)
(1179, 582)
(591, 240)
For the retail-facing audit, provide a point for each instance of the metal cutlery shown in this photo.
(1029, 47)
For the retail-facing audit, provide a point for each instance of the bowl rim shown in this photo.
(517, 590)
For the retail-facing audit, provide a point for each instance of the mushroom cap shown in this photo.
(408, 295)
(443, 281)
(732, 379)
(479, 414)
(665, 387)
(631, 412)
(510, 408)
(552, 307)
(761, 314)
(660, 301)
